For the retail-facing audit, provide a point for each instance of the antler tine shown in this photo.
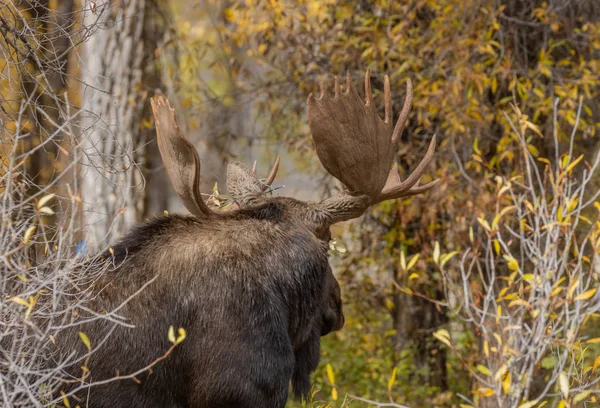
(357, 147)
(387, 97)
(349, 83)
(254, 168)
(271, 177)
(368, 91)
(323, 90)
(399, 128)
(397, 189)
(179, 156)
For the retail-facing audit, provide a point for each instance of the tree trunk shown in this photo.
(415, 319)
(114, 99)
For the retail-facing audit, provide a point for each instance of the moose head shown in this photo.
(252, 285)
(353, 143)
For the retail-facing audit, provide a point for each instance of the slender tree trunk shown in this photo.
(114, 98)
(415, 320)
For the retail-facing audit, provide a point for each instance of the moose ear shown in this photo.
(242, 184)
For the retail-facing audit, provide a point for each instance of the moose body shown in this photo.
(253, 313)
(251, 286)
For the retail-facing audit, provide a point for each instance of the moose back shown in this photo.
(251, 285)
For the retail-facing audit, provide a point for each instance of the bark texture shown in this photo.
(115, 98)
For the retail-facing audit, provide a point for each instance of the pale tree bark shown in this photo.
(114, 99)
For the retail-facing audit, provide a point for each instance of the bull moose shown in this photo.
(250, 284)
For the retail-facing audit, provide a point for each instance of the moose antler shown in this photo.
(183, 164)
(179, 157)
(357, 147)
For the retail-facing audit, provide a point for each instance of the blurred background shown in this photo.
(510, 87)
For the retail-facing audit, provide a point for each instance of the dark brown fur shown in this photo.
(254, 291)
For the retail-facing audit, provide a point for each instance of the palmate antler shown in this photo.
(183, 164)
(357, 147)
(353, 143)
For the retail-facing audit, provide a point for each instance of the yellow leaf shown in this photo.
(555, 292)
(413, 276)
(544, 160)
(330, 375)
(586, 295)
(581, 396)
(573, 164)
(402, 261)
(484, 224)
(392, 379)
(46, 210)
(518, 302)
(484, 370)
(572, 288)
(533, 150)
(181, 335)
(32, 302)
(485, 392)
(447, 257)
(501, 371)
(497, 246)
(66, 402)
(594, 340)
(436, 252)
(511, 262)
(19, 301)
(28, 234)
(44, 200)
(529, 404)
(534, 128)
(334, 394)
(563, 383)
(506, 383)
(596, 363)
(412, 261)
(443, 336)
(172, 338)
(86, 340)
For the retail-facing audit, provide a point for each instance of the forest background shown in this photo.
(481, 292)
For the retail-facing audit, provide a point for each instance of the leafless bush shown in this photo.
(45, 273)
(528, 283)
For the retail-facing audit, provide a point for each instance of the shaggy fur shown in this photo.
(252, 288)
